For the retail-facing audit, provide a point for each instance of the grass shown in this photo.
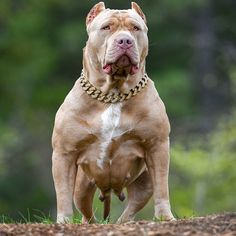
(37, 216)
(31, 216)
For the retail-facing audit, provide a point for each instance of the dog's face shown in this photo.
(118, 38)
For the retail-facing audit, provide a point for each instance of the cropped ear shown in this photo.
(137, 8)
(94, 12)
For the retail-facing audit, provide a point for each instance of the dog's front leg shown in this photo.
(158, 165)
(64, 170)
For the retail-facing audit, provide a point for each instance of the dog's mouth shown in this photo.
(122, 67)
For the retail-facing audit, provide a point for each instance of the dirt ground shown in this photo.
(224, 224)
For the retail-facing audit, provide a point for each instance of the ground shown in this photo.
(224, 224)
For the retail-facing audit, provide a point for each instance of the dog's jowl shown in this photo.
(112, 131)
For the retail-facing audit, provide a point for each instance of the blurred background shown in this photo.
(192, 59)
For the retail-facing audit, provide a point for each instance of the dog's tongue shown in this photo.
(107, 68)
(134, 69)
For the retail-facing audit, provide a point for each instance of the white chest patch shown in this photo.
(110, 129)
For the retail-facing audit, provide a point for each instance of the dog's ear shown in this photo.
(94, 12)
(137, 8)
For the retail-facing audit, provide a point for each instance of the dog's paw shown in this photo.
(62, 219)
(163, 212)
(125, 218)
(164, 218)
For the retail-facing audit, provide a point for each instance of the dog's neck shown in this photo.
(109, 83)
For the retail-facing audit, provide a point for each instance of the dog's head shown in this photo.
(117, 39)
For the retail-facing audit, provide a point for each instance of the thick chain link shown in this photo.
(111, 97)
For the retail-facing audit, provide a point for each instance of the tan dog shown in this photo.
(112, 146)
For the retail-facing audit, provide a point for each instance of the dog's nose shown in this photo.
(125, 42)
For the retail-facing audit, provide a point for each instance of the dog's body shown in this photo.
(112, 146)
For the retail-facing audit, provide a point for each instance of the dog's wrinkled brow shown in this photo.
(116, 20)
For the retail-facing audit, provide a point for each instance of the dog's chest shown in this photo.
(115, 146)
(117, 141)
(110, 129)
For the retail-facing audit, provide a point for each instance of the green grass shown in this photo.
(31, 216)
(76, 219)
(37, 216)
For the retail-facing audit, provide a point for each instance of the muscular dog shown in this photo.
(112, 131)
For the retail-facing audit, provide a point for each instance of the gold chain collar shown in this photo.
(111, 97)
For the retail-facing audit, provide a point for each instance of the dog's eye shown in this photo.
(107, 27)
(136, 28)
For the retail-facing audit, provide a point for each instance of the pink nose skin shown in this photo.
(125, 42)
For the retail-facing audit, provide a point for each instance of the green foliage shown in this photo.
(175, 84)
(203, 172)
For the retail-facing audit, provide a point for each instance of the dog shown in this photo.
(112, 130)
